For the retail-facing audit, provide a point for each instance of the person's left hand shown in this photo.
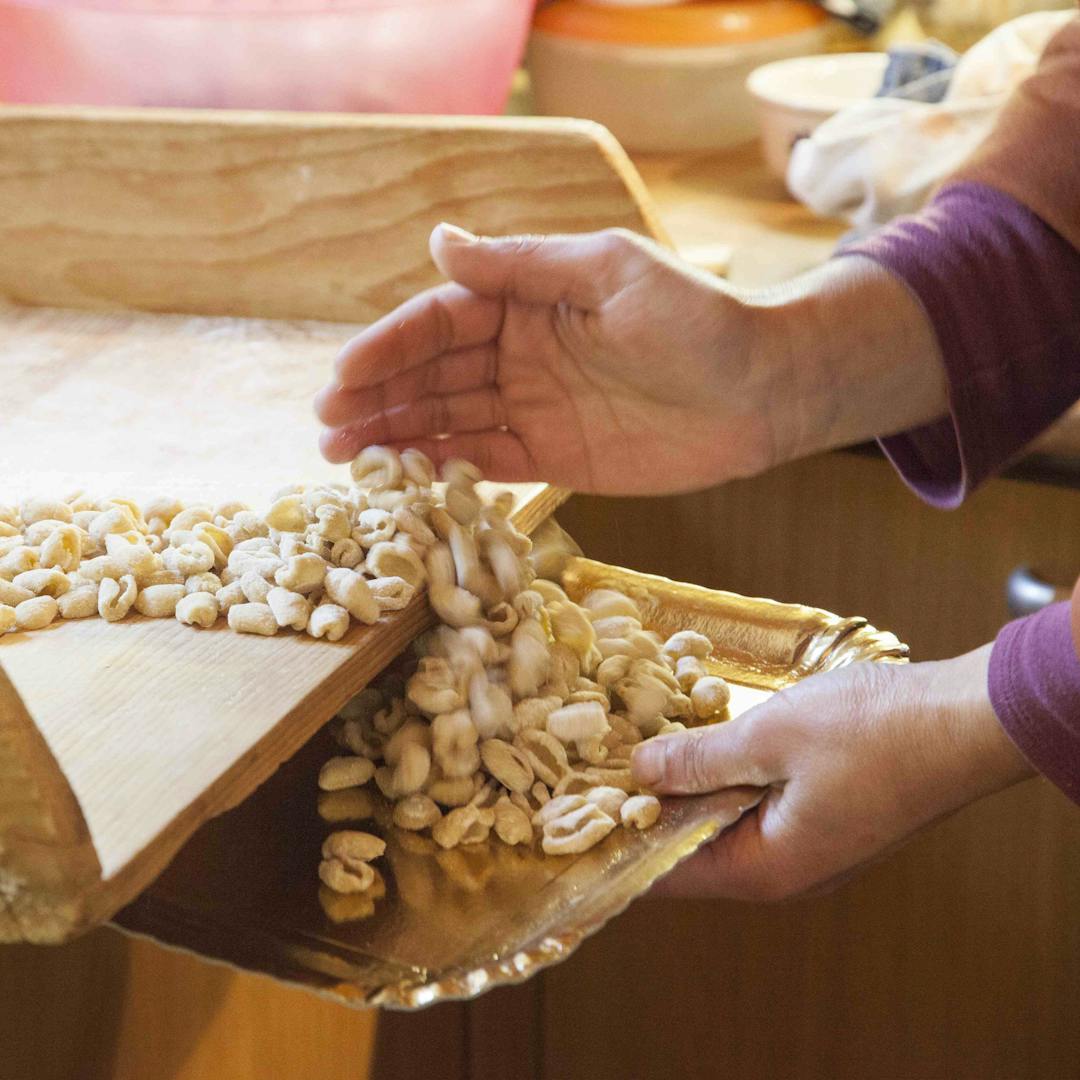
(855, 761)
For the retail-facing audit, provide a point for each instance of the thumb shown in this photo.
(704, 759)
(582, 270)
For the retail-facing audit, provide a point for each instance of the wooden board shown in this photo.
(155, 726)
(117, 741)
(280, 215)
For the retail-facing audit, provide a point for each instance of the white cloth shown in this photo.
(883, 157)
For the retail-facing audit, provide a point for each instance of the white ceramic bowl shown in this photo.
(794, 96)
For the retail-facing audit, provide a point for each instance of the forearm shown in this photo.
(855, 355)
(963, 340)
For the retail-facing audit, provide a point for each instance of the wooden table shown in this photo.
(730, 198)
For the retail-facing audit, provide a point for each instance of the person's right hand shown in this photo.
(602, 363)
(597, 362)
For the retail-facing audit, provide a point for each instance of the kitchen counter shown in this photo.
(724, 210)
(728, 199)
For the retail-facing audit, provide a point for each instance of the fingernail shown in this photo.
(456, 235)
(647, 763)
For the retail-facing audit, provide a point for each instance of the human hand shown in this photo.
(602, 363)
(855, 761)
(598, 362)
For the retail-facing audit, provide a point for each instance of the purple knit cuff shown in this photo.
(1002, 291)
(1035, 691)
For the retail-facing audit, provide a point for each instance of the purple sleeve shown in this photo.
(1002, 291)
(1035, 689)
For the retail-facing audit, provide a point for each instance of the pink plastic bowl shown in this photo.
(417, 56)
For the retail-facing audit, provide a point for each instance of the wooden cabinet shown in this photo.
(842, 532)
(958, 957)
(107, 1007)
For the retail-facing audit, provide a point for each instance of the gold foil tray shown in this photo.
(454, 924)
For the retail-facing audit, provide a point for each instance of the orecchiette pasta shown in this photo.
(116, 597)
(159, 601)
(252, 619)
(288, 514)
(35, 509)
(12, 594)
(254, 587)
(512, 824)
(217, 540)
(198, 609)
(290, 609)
(349, 590)
(388, 559)
(709, 695)
(229, 596)
(391, 593)
(416, 812)
(576, 831)
(328, 621)
(51, 582)
(117, 519)
(62, 549)
(520, 694)
(129, 551)
(345, 772)
(203, 582)
(335, 876)
(304, 573)
(36, 613)
(377, 468)
(17, 561)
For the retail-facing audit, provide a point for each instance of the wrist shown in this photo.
(984, 758)
(851, 354)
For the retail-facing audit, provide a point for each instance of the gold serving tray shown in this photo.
(454, 924)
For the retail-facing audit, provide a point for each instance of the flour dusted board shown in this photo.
(201, 247)
(155, 725)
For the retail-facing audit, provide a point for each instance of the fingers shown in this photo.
(423, 418)
(747, 862)
(707, 759)
(441, 320)
(498, 454)
(452, 373)
(734, 866)
(580, 270)
(761, 858)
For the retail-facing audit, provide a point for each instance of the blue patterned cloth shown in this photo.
(918, 72)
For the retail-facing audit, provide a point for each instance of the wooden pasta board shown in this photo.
(175, 287)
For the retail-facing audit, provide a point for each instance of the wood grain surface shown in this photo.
(154, 725)
(107, 1007)
(729, 199)
(280, 215)
(243, 222)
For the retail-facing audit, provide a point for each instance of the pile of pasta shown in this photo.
(516, 716)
